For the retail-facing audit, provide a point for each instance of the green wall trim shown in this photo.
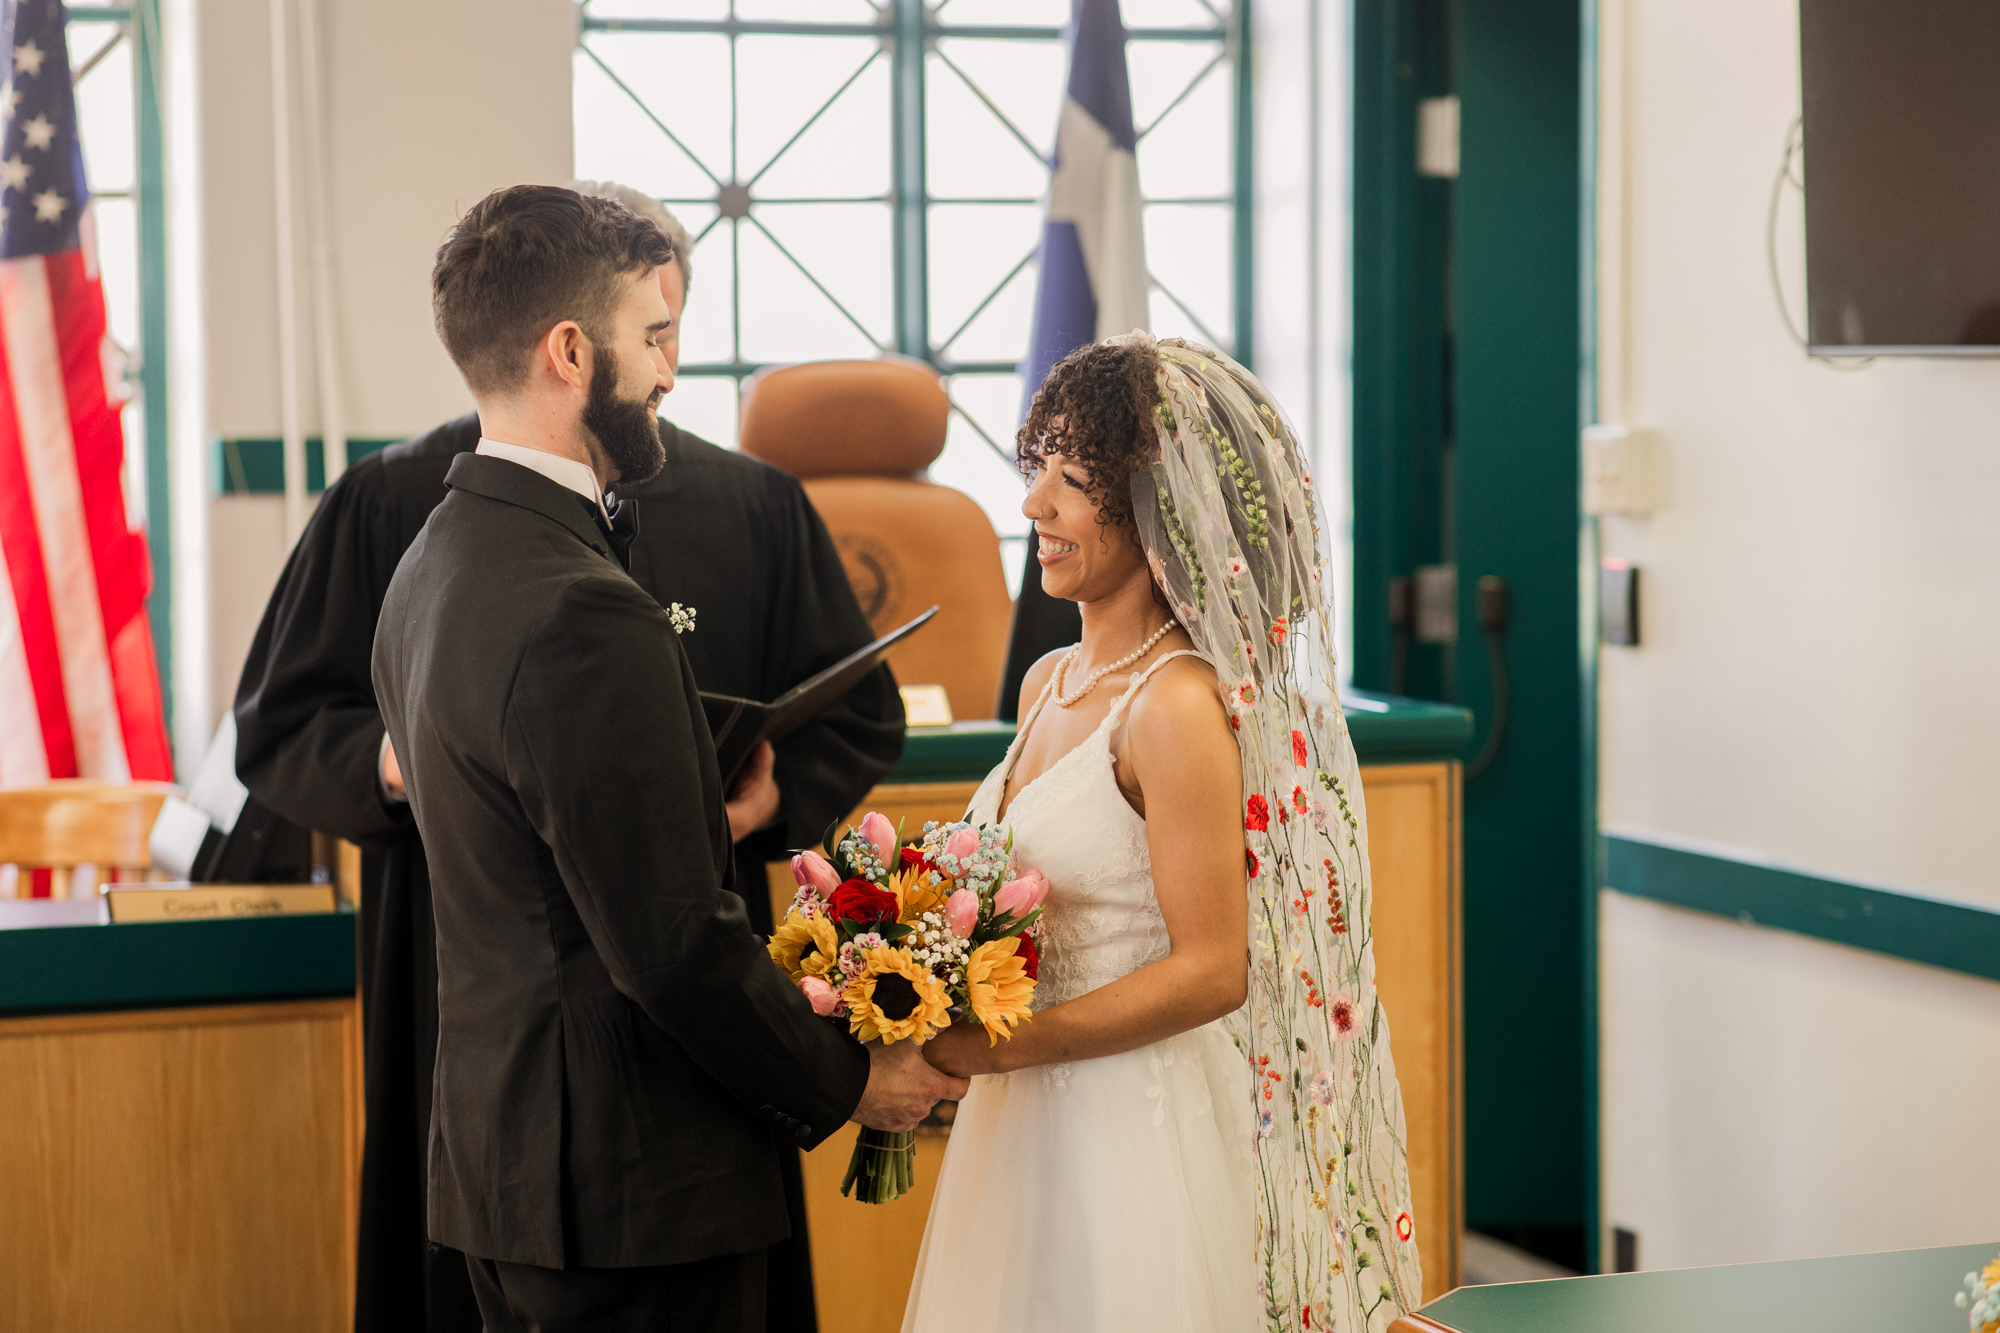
(257, 466)
(1962, 937)
(142, 966)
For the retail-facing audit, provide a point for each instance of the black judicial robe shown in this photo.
(719, 532)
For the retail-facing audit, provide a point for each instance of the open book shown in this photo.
(738, 725)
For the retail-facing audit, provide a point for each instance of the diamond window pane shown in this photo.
(969, 463)
(708, 322)
(106, 118)
(704, 405)
(1190, 153)
(1041, 13)
(657, 9)
(783, 82)
(810, 11)
(973, 248)
(1189, 250)
(846, 250)
(683, 82)
(970, 152)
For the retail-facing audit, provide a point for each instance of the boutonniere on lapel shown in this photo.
(681, 617)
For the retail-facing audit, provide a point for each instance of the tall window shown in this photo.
(101, 47)
(866, 176)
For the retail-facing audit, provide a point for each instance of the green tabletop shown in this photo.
(1902, 1291)
(1386, 730)
(48, 965)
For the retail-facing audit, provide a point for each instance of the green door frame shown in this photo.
(1466, 408)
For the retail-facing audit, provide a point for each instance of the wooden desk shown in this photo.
(1903, 1291)
(865, 1254)
(184, 1153)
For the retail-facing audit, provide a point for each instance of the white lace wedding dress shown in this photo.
(1106, 1194)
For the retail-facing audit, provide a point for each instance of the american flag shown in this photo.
(79, 689)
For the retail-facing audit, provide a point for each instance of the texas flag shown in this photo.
(1093, 278)
(1093, 273)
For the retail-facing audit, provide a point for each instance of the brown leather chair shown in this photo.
(859, 436)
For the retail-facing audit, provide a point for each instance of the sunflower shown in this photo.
(915, 894)
(894, 998)
(805, 947)
(998, 988)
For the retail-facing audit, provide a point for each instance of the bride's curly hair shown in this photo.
(1096, 410)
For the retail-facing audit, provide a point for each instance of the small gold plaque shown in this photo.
(926, 706)
(210, 902)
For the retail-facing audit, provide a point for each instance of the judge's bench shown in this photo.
(180, 1102)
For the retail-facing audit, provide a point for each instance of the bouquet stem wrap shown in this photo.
(883, 1167)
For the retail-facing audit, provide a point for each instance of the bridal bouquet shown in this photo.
(901, 942)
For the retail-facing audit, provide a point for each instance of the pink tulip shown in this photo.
(961, 912)
(962, 844)
(815, 872)
(879, 833)
(823, 997)
(1022, 896)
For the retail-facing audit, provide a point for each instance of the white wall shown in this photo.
(1815, 688)
(1771, 1096)
(429, 105)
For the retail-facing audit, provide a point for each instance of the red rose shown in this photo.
(1030, 959)
(1259, 818)
(859, 901)
(911, 856)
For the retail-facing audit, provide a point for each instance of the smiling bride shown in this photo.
(1201, 1128)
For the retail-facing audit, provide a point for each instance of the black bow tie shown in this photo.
(622, 528)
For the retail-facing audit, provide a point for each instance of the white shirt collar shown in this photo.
(565, 472)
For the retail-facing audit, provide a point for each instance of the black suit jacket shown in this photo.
(613, 1042)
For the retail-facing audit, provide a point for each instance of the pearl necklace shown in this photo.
(1090, 681)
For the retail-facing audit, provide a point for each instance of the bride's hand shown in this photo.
(960, 1051)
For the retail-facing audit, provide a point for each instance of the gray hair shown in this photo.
(654, 212)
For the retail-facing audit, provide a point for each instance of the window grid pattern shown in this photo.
(879, 174)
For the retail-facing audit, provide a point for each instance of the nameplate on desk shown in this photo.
(926, 706)
(211, 902)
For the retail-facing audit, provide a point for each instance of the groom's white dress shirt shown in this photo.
(562, 471)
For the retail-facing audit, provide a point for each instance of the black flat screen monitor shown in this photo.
(1902, 176)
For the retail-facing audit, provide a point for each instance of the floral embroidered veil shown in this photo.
(1228, 521)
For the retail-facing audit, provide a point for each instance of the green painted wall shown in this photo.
(1465, 427)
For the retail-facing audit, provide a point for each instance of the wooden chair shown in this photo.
(77, 822)
(859, 436)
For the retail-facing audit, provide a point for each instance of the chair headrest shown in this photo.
(846, 418)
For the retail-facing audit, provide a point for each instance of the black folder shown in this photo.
(738, 725)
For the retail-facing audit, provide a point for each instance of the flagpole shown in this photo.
(288, 294)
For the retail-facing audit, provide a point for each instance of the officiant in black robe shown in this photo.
(724, 534)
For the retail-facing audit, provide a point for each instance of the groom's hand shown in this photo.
(902, 1088)
(753, 802)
